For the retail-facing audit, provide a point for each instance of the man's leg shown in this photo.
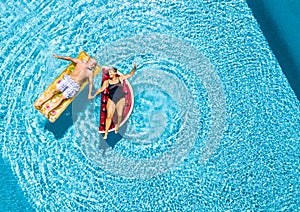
(47, 97)
(56, 104)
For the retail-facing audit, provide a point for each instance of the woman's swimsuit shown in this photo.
(115, 91)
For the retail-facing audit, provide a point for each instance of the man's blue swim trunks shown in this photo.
(68, 86)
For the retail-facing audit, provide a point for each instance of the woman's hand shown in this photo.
(90, 97)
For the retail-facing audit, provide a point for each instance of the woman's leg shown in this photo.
(120, 108)
(110, 109)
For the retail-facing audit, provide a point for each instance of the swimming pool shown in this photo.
(215, 124)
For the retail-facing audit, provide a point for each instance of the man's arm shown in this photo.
(91, 83)
(126, 76)
(74, 60)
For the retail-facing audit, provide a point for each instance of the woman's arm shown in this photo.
(126, 76)
(74, 60)
(105, 84)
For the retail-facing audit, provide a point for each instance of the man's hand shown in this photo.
(74, 60)
(134, 65)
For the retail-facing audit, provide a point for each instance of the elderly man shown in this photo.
(71, 83)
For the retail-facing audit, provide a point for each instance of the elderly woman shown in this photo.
(116, 100)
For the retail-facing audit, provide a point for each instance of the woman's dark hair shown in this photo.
(115, 70)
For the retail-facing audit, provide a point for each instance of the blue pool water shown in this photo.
(215, 126)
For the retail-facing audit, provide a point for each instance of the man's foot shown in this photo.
(48, 114)
(116, 130)
(38, 105)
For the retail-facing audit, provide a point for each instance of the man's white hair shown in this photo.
(93, 60)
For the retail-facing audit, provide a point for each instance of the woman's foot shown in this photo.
(105, 136)
(116, 130)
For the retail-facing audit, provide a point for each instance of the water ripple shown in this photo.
(61, 165)
(182, 139)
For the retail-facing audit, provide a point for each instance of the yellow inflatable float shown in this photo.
(54, 114)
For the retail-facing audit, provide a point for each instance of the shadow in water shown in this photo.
(277, 41)
(62, 124)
